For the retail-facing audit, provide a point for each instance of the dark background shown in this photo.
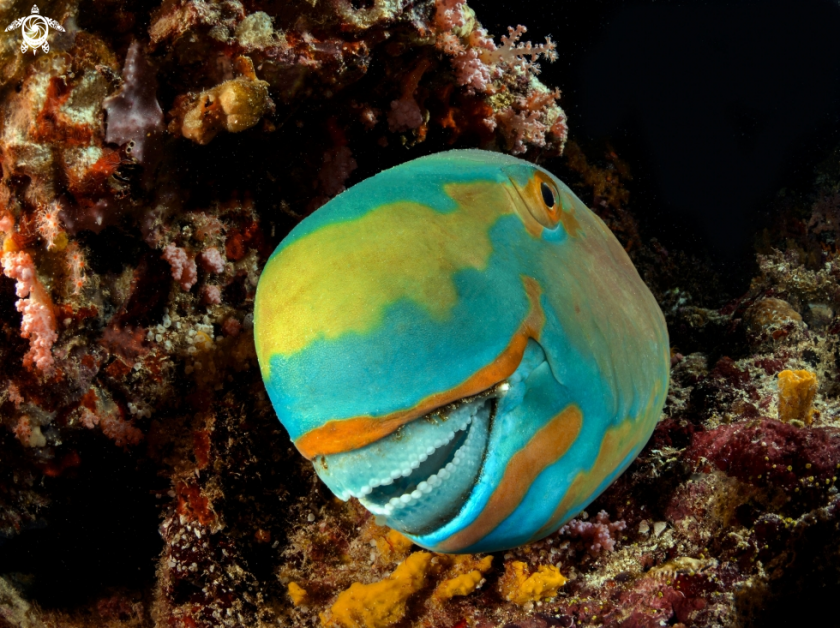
(715, 105)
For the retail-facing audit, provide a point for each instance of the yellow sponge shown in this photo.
(519, 587)
(796, 395)
(297, 593)
(393, 546)
(382, 603)
(472, 571)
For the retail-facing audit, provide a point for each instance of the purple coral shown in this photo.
(600, 533)
(134, 114)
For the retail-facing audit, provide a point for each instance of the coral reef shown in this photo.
(151, 161)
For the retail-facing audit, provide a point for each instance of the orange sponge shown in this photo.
(796, 396)
(520, 587)
(382, 603)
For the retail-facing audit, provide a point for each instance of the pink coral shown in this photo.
(120, 431)
(449, 14)
(7, 222)
(471, 71)
(513, 52)
(184, 270)
(109, 418)
(231, 327)
(76, 264)
(212, 261)
(211, 295)
(484, 68)
(600, 532)
(521, 127)
(38, 322)
(49, 224)
(475, 65)
(14, 395)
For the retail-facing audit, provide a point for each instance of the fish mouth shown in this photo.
(441, 477)
(420, 476)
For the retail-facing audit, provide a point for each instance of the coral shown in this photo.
(382, 603)
(183, 267)
(521, 587)
(599, 534)
(796, 396)
(14, 395)
(514, 52)
(211, 295)
(38, 324)
(212, 261)
(459, 585)
(731, 514)
(76, 264)
(134, 114)
(49, 224)
(7, 223)
(97, 409)
(449, 14)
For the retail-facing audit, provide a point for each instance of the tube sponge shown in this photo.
(796, 396)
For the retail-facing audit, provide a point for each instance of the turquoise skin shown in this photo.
(461, 344)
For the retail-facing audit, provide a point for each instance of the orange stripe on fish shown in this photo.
(354, 433)
(544, 448)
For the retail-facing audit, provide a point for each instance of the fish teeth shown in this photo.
(458, 420)
(467, 453)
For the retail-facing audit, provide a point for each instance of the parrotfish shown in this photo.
(459, 343)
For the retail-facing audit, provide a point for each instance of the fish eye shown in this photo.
(547, 194)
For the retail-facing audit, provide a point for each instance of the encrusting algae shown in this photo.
(796, 396)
